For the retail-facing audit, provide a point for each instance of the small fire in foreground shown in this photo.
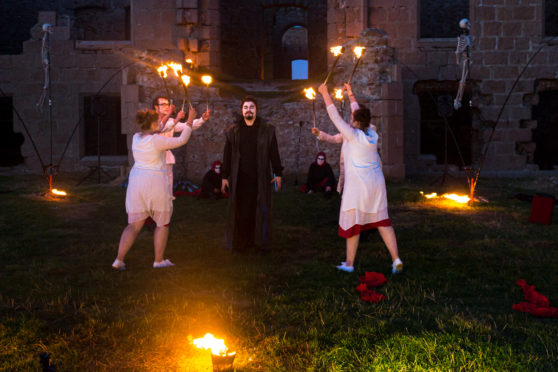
(216, 345)
(58, 192)
(462, 199)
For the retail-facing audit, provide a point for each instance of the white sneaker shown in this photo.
(162, 264)
(119, 265)
(397, 266)
(348, 269)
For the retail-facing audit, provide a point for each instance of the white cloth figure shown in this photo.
(168, 130)
(364, 198)
(148, 189)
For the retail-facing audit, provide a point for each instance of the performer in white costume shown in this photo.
(148, 193)
(364, 201)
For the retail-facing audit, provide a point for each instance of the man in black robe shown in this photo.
(320, 176)
(251, 168)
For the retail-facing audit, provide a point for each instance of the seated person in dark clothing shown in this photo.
(320, 176)
(211, 184)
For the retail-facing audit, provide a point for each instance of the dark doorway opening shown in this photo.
(10, 142)
(106, 109)
(432, 135)
(546, 133)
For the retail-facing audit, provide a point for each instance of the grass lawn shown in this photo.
(291, 310)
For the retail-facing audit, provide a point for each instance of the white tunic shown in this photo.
(148, 192)
(364, 194)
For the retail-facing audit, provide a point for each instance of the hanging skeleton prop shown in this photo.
(463, 58)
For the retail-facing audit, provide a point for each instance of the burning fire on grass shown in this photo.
(460, 199)
(220, 355)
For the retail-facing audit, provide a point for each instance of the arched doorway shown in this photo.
(293, 59)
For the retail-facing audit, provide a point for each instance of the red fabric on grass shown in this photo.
(371, 280)
(372, 296)
(538, 311)
(531, 295)
(535, 303)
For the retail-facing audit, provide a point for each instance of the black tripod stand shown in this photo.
(98, 109)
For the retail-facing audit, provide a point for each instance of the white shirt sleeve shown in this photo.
(346, 130)
(169, 125)
(161, 143)
(337, 138)
(197, 123)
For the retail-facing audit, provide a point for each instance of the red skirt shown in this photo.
(356, 229)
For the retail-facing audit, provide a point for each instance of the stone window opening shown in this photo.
(432, 95)
(256, 38)
(440, 19)
(546, 132)
(550, 18)
(10, 141)
(100, 23)
(103, 111)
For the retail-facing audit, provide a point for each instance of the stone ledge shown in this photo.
(101, 44)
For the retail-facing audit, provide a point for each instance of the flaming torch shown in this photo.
(207, 80)
(337, 51)
(177, 68)
(359, 51)
(190, 63)
(311, 95)
(220, 355)
(162, 70)
(185, 82)
(339, 95)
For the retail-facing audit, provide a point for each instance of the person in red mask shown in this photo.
(320, 176)
(211, 183)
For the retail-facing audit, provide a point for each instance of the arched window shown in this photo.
(294, 53)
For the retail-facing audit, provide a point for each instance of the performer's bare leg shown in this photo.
(388, 236)
(169, 173)
(160, 238)
(352, 246)
(128, 237)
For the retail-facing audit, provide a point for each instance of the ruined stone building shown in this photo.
(104, 56)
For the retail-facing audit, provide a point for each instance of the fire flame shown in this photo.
(216, 345)
(310, 93)
(206, 79)
(177, 67)
(337, 50)
(185, 79)
(457, 198)
(58, 192)
(358, 51)
(163, 71)
(339, 94)
(462, 199)
(189, 61)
